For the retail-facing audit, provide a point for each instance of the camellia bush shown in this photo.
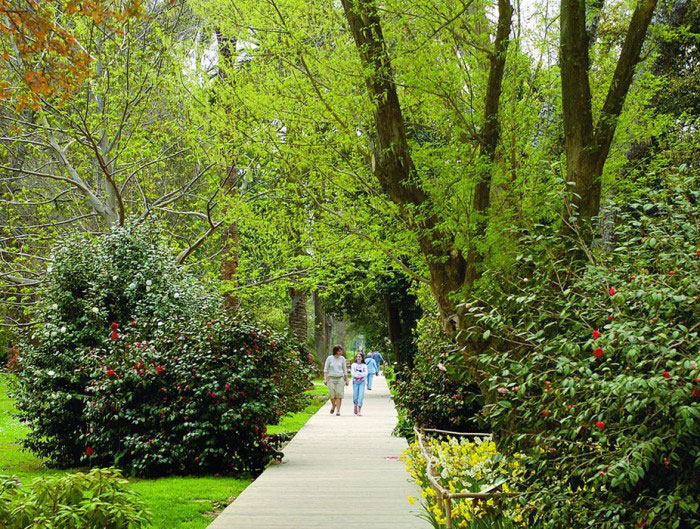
(136, 365)
(428, 396)
(592, 368)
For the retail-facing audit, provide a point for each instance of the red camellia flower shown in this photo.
(610, 317)
(633, 277)
(666, 374)
(213, 395)
(89, 451)
(600, 425)
(227, 386)
(612, 291)
(115, 335)
(111, 373)
(159, 369)
(596, 334)
(698, 252)
(115, 325)
(598, 353)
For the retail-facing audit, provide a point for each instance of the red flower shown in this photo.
(212, 395)
(612, 291)
(598, 353)
(115, 335)
(670, 272)
(133, 322)
(111, 373)
(596, 334)
(545, 413)
(600, 425)
(227, 386)
(115, 325)
(666, 374)
(697, 380)
(642, 523)
(633, 277)
(272, 344)
(696, 393)
(548, 385)
(698, 252)
(159, 369)
(89, 451)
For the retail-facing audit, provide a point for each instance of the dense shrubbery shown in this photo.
(429, 397)
(97, 500)
(135, 366)
(593, 369)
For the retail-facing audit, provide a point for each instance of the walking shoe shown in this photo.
(332, 410)
(355, 410)
(359, 411)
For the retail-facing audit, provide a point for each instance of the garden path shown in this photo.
(337, 473)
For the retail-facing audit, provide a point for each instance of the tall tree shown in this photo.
(588, 143)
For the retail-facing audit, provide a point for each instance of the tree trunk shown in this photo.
(587, 147)
(490, 135)
(393, 320)
(320, 340)
(391, 159)
(298, 323)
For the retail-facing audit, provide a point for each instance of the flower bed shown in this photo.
(463, 467)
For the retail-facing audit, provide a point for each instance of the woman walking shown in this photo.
(358, 371)
(371, 370)
(335, 373)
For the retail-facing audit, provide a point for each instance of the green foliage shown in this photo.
(130, 368)
(427, 394)
(99, 499)
(592, 367)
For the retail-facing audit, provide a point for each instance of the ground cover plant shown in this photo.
(592, 366)
(99, 499)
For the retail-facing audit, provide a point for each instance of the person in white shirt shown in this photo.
(358, 371)
(335, 372)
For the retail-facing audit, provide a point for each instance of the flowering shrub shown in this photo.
(460, 466)
(148, 378)
(99, 498)
(602, 394)
(427, 394)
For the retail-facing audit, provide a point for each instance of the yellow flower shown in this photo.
(411, 500)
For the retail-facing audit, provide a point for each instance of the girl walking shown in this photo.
(358, 372)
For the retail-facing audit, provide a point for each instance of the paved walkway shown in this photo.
(337, 473)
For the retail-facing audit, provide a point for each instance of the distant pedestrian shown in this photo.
(358, 371)
(335, 373)
(379, 359)
(371, 369)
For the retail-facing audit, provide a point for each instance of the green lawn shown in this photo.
(176, 502)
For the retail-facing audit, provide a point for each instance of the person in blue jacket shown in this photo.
(379, 360)
(371, 369)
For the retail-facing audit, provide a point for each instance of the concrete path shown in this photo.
(337, 473)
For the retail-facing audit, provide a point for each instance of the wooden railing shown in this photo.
(445, 497)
